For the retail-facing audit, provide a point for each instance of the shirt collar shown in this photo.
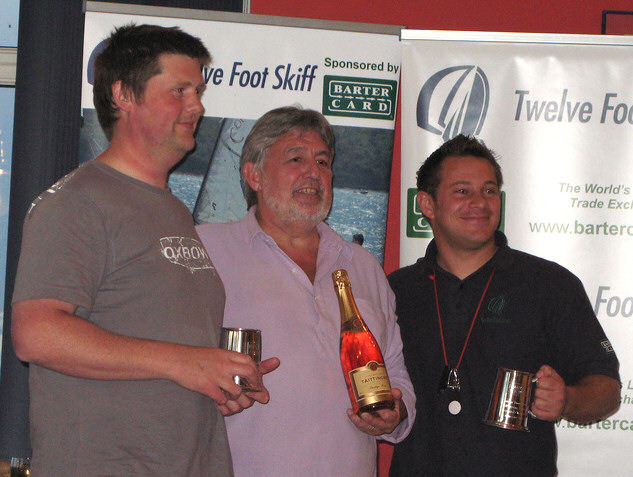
(502, 258)
(327, 236)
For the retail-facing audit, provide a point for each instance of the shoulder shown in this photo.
(532, 266)
(82, 188)
(222, 238)
(542, 277)
(405, 275)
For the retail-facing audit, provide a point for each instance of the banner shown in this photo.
(558, 109)
(350, 76)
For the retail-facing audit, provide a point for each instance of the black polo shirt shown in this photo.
(534, 312)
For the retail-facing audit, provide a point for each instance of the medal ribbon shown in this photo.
(472, 324)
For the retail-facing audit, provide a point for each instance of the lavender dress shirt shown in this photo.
(304, 429)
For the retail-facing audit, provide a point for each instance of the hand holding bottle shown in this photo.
(380, 422)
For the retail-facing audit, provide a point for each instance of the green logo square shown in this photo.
(417, 225)
(359, 97)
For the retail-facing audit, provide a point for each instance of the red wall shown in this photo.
(534, 16)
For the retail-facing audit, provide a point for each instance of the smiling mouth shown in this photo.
(477, 219)
(308, 191)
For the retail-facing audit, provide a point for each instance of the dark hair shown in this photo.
(429, 174)
(131, 55)
(269, 128)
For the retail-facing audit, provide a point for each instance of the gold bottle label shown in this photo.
(370, 383)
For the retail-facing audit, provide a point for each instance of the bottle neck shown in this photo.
(347, 305)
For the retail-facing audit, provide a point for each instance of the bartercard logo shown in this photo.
(454, 101)
(359, 97)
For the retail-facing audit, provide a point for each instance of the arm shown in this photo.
(47, 333)
(593, 398)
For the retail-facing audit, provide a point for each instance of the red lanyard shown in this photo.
(439, 318)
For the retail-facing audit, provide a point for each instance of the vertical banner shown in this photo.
(350, 76)
(558, 109)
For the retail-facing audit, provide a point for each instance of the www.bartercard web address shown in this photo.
(581, 228)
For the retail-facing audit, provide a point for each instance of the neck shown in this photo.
(137, 164)
(299, 242)
(463, 263)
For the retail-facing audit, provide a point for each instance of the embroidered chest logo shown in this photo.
(186, 252)
(494, 312)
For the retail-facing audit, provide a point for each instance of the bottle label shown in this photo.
(370, 383)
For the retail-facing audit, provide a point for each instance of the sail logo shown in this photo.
(454, 101)
(186, 252)
(90, 73)
(359, 97)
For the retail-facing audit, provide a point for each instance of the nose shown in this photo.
(478, 199)
(195, 106)
(312, 167)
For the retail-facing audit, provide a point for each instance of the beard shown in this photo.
(291, 211)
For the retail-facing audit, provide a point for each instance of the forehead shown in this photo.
(467, 169)
(298, 138)
(179, 67)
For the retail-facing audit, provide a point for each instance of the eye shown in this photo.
(323, 162)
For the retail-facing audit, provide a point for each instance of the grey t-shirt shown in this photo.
(127, 255)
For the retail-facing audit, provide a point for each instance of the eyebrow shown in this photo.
(466, 182)
(323, 152)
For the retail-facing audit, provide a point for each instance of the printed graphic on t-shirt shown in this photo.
(51, 190)
(186, 252)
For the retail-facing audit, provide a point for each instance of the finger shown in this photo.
(249, 373)
(269, 365)
(260, 396)
(234, 407)
(361, 424)
(396, 393)
(231, 390)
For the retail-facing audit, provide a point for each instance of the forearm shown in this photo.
(593, 398)
(65, 343)
(47, 333)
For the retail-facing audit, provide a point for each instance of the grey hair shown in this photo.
(269, 128)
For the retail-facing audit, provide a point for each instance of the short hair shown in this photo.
(269, 128)
(429, 174)
(132, 55)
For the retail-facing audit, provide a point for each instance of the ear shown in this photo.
(122, 96)
(426, 203)
(253, 175)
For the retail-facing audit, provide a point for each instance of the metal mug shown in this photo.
(243, 340)
(20, 466)
(511, 399)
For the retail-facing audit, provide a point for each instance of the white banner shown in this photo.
(350, 76)
(558, 109)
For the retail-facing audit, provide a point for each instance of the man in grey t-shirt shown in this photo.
(117, 307)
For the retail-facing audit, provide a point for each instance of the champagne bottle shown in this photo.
(363, 365)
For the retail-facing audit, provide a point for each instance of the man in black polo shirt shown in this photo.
(473, 304)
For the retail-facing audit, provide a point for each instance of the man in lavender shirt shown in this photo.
(276, 265)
